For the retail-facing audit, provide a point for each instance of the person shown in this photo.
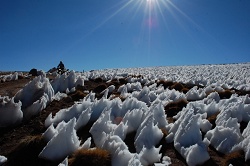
(61, 68)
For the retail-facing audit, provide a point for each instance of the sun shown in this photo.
(151, 1)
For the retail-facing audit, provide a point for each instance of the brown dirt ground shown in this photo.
(12, 87)
(12, 138)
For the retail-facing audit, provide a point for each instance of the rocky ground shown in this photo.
(22, 144)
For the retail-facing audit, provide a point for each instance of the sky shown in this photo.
(100, 34)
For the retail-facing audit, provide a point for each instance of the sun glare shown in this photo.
(154, 14)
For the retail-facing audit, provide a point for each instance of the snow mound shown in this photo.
(166, 96)
(86, 144)
(223, 138)
(149, 156)
(148, 135)
(134, 161)
(101, 128)
(67, 114)
(58, 96)
(195, 94)
(35, 96)
(160, 117)
(64, 162)
(63, 82)
(98, 107)
(166, 161)
(10, 112)
(245, 143)
(117, 120)
(145, 95)
(118, 150)
(130, 87)
(9, 77)
(119, 108)
(187, 137)
(2, 159)
(133, 119)
(63, 143)
(227, 134)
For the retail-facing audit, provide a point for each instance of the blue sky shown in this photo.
(98, 34)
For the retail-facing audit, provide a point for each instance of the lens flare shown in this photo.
(153, 16)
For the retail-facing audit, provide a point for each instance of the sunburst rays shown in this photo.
(150, 16)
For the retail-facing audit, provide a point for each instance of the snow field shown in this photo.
(226, 76)
(114, 119)
(34, 97)
(143, 112)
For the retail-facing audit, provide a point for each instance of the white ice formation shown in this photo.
(10, 112)
(142, 113)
